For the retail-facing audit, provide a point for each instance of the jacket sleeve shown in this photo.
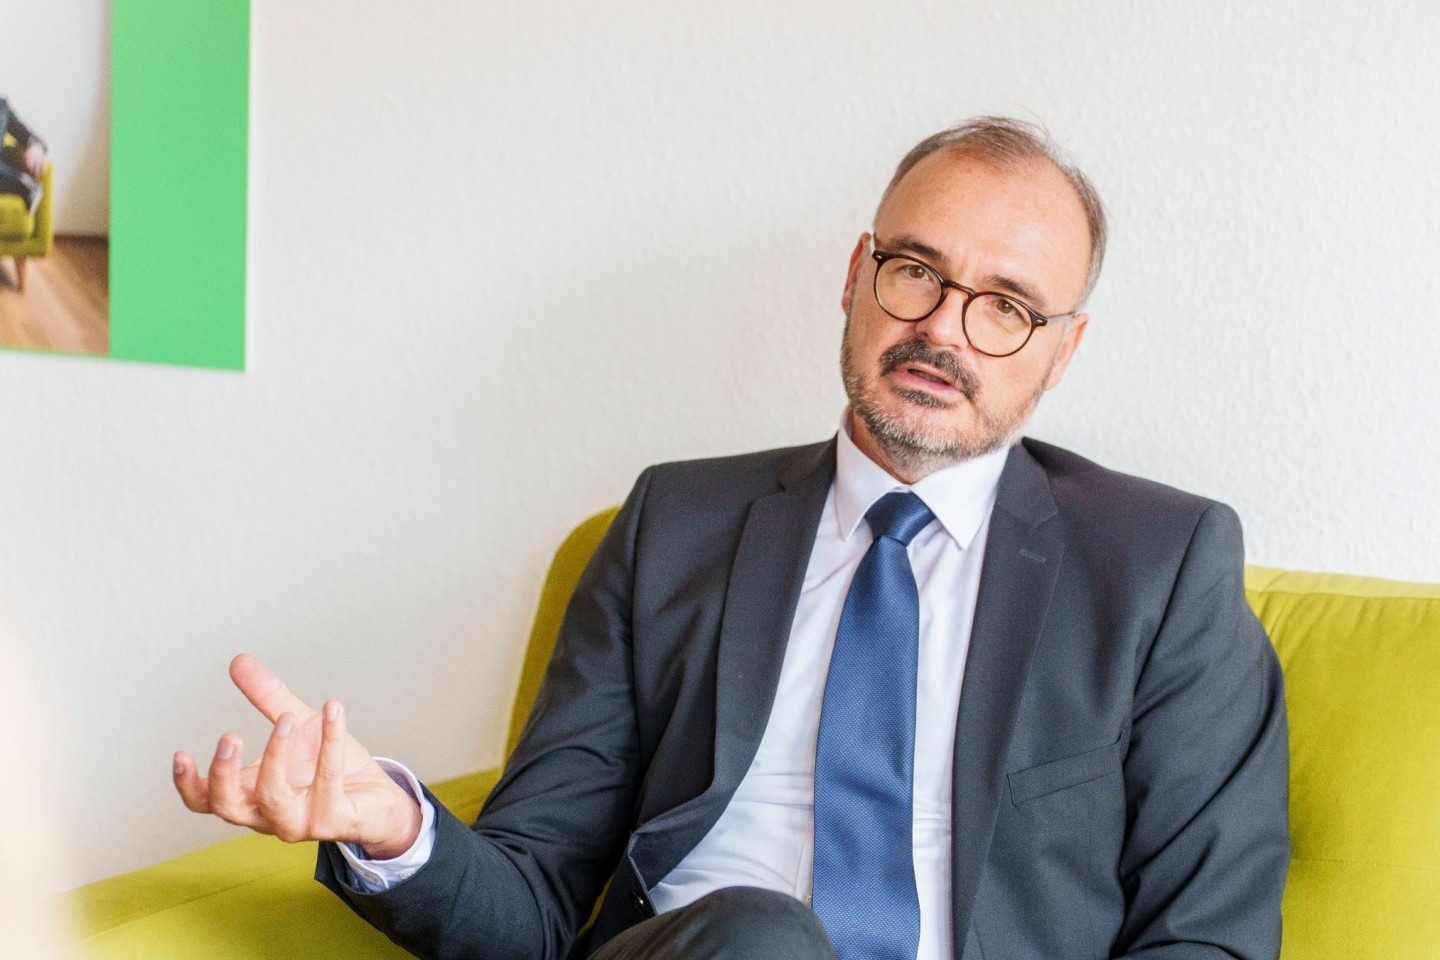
(1207, 771)
(522, 880)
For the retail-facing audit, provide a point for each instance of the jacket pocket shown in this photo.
(1057, 775)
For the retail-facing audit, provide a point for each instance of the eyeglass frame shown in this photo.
(1037, 319)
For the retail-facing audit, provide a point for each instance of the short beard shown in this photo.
(911, 447)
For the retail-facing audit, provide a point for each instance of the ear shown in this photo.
(857, 257)
(1069, 343)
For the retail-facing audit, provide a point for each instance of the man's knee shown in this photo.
(751, 922)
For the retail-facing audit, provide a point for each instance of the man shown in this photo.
(22, 158)
(968, 697)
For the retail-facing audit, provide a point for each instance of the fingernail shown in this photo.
(227, 749)
(332, 711)
(286, 724)
(179, 767)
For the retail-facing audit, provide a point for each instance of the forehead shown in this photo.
(1024, 221)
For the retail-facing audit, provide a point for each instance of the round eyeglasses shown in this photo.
(995, 324)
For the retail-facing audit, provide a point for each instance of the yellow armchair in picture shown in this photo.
(24, 234)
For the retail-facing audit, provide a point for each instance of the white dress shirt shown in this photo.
(765, 836)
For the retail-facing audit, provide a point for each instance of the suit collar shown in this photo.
(808, 466)
(1024, 490)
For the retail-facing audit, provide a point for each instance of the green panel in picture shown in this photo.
(179, 105)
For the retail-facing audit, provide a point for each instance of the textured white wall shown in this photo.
(503, 257)
(56, 73)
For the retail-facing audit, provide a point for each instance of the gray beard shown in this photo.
(920, 451)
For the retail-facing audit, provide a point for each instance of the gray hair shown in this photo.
(1006, 142)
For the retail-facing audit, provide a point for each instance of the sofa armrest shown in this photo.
(244, 899)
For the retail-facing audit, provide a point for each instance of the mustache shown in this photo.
(918, 351)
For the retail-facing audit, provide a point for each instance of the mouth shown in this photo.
(922, 376)
(926, 375)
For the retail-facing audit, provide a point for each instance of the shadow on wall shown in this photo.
(31, 858)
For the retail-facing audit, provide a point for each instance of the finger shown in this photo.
(227, 793)
(265, 690)
(194, 791)
(274, 797)
(328, 792)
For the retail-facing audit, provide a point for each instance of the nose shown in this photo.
(945, 326)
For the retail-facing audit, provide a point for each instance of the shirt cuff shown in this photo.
(377, 876)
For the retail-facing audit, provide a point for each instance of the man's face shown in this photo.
(924, 398)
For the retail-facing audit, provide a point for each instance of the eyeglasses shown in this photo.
(995, 324)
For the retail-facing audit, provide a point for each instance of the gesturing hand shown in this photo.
(313, 782)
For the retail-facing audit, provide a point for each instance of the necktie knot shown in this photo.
(899, 515)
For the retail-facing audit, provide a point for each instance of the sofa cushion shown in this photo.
(16, 223)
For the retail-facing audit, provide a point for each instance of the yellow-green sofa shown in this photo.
(1362, 671)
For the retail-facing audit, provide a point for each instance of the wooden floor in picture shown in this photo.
(66, 303)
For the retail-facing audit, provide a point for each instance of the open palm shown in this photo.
(314, 781)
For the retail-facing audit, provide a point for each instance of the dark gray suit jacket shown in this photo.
(1121, 763)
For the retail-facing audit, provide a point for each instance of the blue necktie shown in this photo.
(865, 758)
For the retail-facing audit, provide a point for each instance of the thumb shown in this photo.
(265, 690)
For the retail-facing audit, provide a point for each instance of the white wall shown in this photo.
(56, 75)
(504, 257)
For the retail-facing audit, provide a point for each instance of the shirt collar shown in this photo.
(960, 496)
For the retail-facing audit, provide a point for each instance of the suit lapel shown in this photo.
(1022, 564)
(760, 600)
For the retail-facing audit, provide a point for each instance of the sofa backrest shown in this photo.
(1361, 658)
(560, 582)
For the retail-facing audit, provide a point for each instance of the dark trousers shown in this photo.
(736, 923)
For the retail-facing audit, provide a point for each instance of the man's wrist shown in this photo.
(408, 809)
(406, 806)
(369, 875)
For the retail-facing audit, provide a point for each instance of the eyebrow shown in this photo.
(1020, 288)
(995, 281)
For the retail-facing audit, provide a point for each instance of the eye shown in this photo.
(913, 271)
(1002, 312)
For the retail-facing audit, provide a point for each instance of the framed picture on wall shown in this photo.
(135, 252)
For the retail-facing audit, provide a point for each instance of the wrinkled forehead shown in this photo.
(1021, 219)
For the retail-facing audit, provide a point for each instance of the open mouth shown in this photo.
(925, 377)
(913, 367)
(928, 375)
